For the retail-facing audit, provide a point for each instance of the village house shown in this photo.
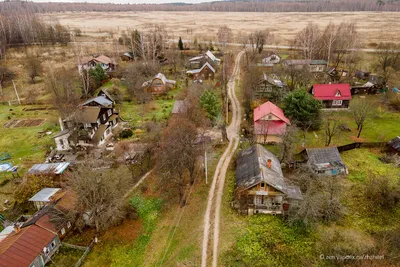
(377, 80)
(33, 242)
(270, 86)
(208, 57)
(332, 95)
(108, 64)
(159, 84)
(325, 161)
(204, 73)
(90, 125)
(269, 123)
(260, 186)
(312, 65)
(127, 56)
(270, 60)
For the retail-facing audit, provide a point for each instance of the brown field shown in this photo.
(23, 123)
(373, 26)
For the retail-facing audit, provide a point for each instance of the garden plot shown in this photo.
(23, 123)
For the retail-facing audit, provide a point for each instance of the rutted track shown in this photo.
(212, 215)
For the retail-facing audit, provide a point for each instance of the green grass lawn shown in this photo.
(24, 144)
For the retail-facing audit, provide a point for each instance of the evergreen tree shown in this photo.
(98, 74)
(210, 102)
(180, 44)
(303, 109)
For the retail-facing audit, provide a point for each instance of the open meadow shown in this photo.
(374, 27)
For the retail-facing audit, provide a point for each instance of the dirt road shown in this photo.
(213, 211)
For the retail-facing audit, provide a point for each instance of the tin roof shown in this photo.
(101, 100)
(329, 156)
(331, 91)
(319, 62)
(210, 55)
(20, 249)
(44, 195)
(201, 69)
(269, 108)
(48, 168)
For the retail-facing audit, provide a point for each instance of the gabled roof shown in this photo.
(273, 80)
(160, 76)
(44, 195)
(271, 59)
(269, 108)
(196, 58)
(331, 91)
(21, 249)
(211, 56)
(298, 62)
(324, 155)
(319, 62)
(101, 100)
(48, 168)
(252, 168)
(395, 143)
(104, 59)
(201, 69)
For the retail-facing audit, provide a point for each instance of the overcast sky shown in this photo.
(129, 1)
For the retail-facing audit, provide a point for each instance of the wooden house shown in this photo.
(260, 186)
(270, 60)
(270, 86)
(315, 66)
(269, 123)
(335, 96)
(325, 161)
(200, 60)
(90, 125)
(108, 64)
(159, 84)
(204, 73)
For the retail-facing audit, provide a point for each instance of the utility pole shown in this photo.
(205, 165)
(16, 92)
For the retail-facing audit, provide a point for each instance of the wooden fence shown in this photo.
(86, 249)
(360, 145)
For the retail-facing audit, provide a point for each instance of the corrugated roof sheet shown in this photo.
(87, 114)
(20, 249)
(211, 56)
(48, 168)
(201, 69)
(323, 155)
(319, 62)
(101, 100)
(44, 195)
(332, 91)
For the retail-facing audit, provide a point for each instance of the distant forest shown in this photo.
(222, 6)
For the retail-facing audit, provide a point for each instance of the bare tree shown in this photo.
(99, 193)
(331, 129)
(346, 41)
(388, 60)
(329, 40)
(362, 110)
(63, 84)
(178, 153)
(224, 35)
(307, 40)
(34, 67)
(288, 144)
(5, 75)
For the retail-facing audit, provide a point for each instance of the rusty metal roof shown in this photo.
(20, 249)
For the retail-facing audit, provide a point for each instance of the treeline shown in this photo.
(21, 26)
(229, 6)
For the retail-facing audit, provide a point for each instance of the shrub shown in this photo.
(126, 133)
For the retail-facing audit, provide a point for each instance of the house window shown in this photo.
(53, 244)
(262, 185)
(63, 231)
(338, 93)
(109, 112)
(337, 102)
(87, 125)
(45, 251)
(269, 117)
(104, 117)
(98, 121)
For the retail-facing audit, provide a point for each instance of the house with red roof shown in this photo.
(332, 95)
(269, 123)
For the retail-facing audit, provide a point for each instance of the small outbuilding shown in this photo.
(394, 145)
(43, 197)
(325, 161)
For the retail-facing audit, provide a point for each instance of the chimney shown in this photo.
(17, 229)
(269, 163)
(61, 124)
